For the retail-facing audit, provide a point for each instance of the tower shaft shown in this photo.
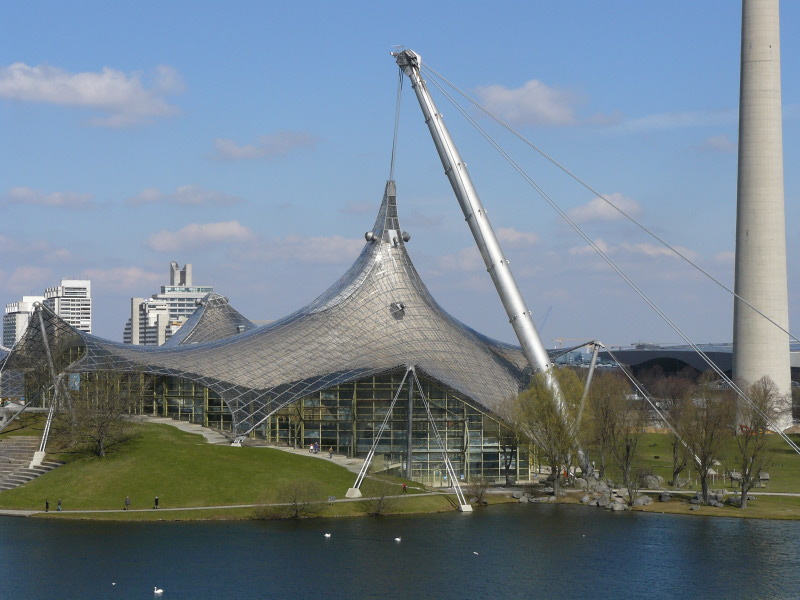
(761, 348)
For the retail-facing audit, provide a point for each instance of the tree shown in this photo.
(605, 400)
(537, 417)
(100, 405)
(706, 427)
(751, 436)
(297, 499)
(628, 420)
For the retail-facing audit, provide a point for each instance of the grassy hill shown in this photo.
(185, 471)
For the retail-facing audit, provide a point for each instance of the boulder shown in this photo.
(580, 483)
(616, 506)
(516, 495)
(524, 499)
(643, 501)
(664, 497)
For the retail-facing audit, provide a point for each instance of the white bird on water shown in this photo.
(157, 591)
(397, 539)
(327, 535)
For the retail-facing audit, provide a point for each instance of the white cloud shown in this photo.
(359, 208)
(332, 249)
(580, 250)
(467, 259)
(25, 195)
(267, 146)
(721, 144)
(123, 278)
(513, 237)
(197, 235)
(535, 103)
(676, 120)
(599, 209)
(654, 251)
(28, 279)
(185, 195)
(123, 97)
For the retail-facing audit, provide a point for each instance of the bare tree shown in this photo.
(628, 420)
(605, 400)
(751, 436)
(538, 418)
(100, 404)
(381, 501)
(297, 499)
(706, 427)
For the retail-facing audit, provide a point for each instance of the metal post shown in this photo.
(474, 213)
(409, 427)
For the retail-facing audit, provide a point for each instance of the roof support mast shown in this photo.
(475, 215)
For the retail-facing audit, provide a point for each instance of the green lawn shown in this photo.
(183, 470)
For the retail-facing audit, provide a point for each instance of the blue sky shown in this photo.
(253, 140)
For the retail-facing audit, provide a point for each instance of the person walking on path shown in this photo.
(46, 505)
(330, 452)
(155, 503)
(58, 506)
(405, 488)
(127, 502)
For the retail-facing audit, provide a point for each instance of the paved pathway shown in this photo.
(214, 437)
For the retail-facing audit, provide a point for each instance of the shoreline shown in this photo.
(679, 505)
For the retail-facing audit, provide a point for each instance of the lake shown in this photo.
(509, 551)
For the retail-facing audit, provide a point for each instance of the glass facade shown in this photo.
(348, 417)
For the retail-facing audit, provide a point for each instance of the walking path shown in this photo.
(214, 437)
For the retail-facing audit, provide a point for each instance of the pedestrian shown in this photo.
(155, 503)
(330, 452)
(46, 505)
(405, 488)
(311, 448)
(127, 502)
(58, 507)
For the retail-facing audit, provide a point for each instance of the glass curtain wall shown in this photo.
(347, 418)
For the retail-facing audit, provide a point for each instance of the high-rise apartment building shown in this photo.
(72, 301)
(15, 319)
(154, 320)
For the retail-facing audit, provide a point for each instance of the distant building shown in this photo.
(154, 320)
(72, 301)
(15, 319)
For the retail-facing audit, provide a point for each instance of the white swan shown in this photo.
(397, 539)
(157, 591)
(327, 535)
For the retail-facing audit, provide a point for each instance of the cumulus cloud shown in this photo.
(187, 195)
(123, 277)
(720, 144)
(602, 245)
(467, 259)
(359, 208)
(642, 249)
(26, 195)
(677, 120)
(267, 146)
(197, 235)
(535, 103)
(513, 237)
(332, 249)
(28, 279)
(602, 209)
(126, 99)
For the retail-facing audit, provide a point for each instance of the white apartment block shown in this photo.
(154, 320)
(72, 301)
(15, 319)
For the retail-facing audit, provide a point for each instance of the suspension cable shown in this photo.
(427, 68)
(396, 120)
(613, 265)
